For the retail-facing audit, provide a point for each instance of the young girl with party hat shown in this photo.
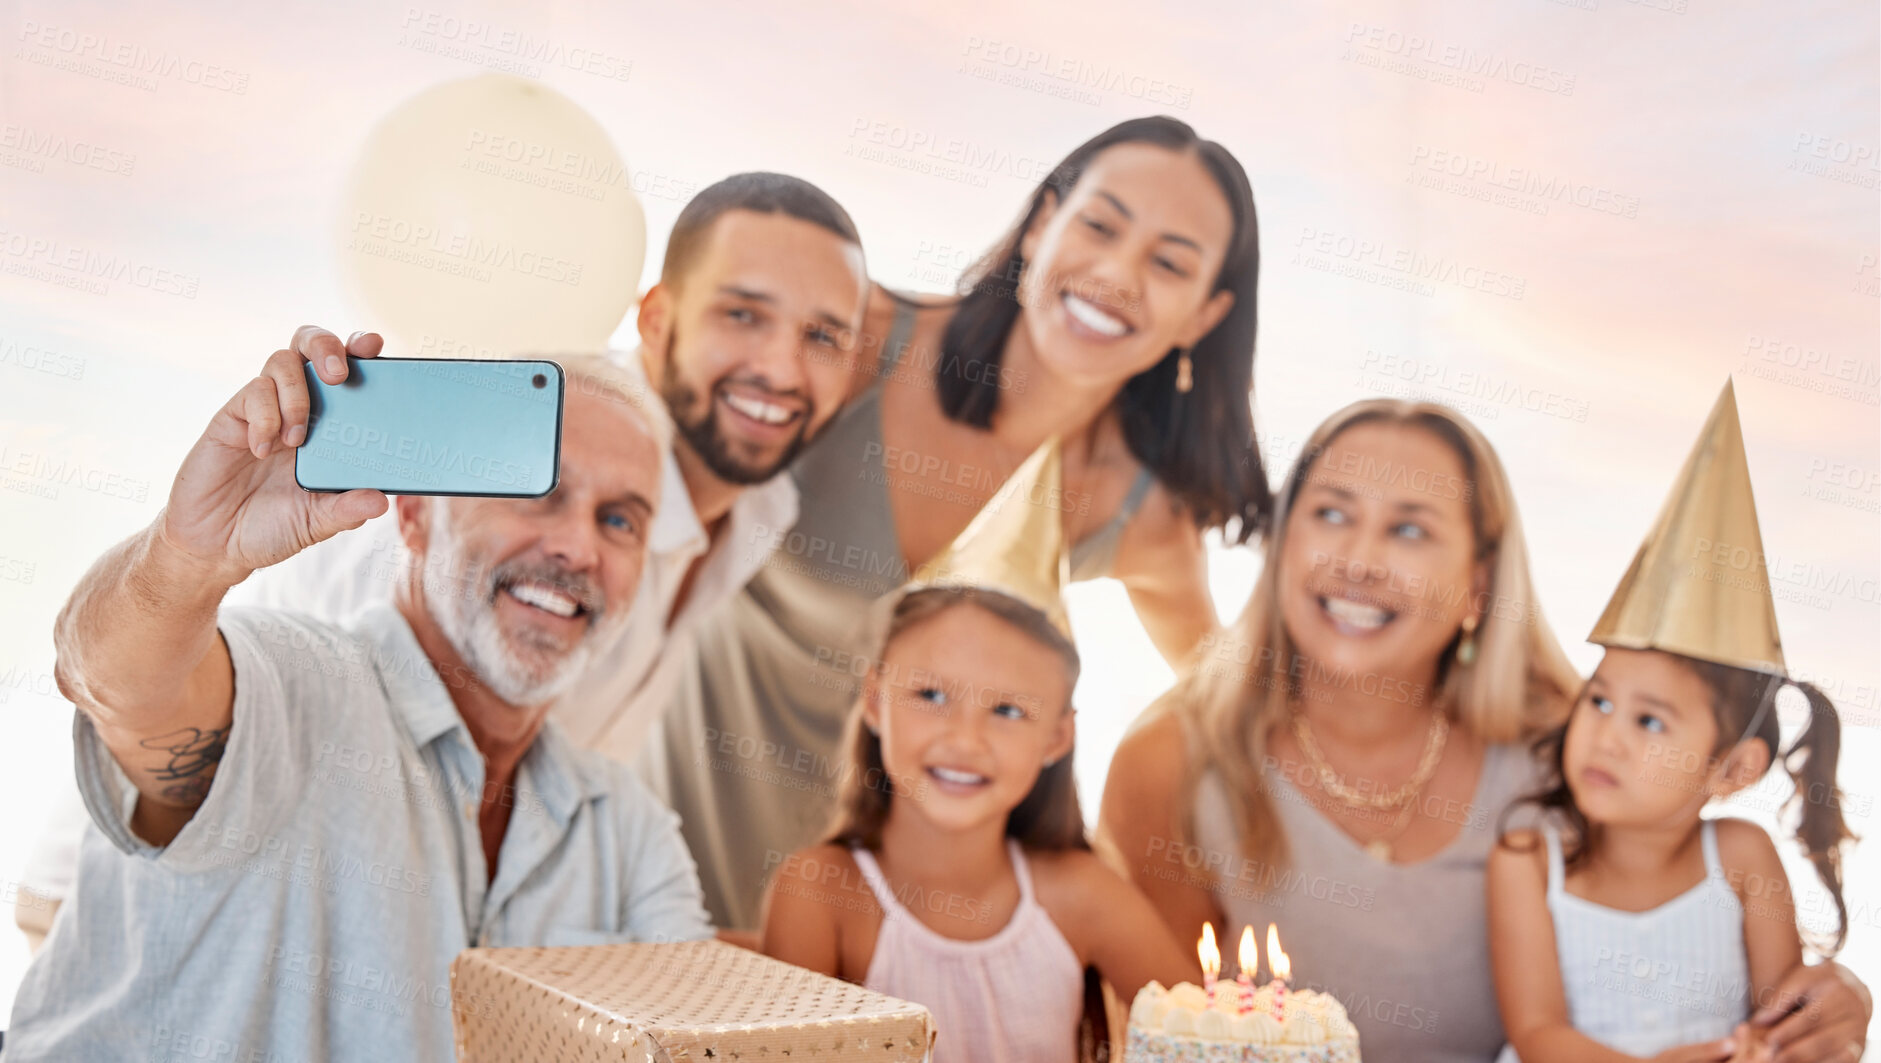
(1628, 925)
(957, 874)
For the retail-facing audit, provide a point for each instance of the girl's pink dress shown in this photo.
(1015, 997)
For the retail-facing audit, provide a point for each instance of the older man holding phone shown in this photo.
(300, 824)
(748, 340)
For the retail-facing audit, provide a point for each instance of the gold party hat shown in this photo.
(1016, 543)
(1698, 585)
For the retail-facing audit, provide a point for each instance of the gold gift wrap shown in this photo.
(690, 1001)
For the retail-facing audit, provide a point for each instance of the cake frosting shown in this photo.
(1181, 1025)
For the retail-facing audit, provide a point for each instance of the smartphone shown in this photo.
(435, 426)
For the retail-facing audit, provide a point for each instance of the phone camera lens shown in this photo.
(540, 381)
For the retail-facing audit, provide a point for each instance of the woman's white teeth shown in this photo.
(1356, 614)
(965, 778)
(1091, 316)
(759, 410)
(544, 598)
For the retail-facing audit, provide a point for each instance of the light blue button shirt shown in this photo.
(311, 907)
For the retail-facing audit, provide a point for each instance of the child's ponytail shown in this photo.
(1810, 762)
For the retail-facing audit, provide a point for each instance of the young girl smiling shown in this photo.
(958, 874)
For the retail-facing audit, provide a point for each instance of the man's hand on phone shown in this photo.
(234, 506)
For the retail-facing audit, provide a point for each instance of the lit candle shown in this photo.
(1211, 960)
(1249, 957)
(1282, 969)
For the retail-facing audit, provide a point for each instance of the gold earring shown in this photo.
(1466, 650)
(1185, 374)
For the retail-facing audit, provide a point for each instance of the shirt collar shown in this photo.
(771, 504)
(676, 525)
(410, 678)
(551, 769)
(555, 771)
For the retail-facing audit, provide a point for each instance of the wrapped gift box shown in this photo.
(690, 1001)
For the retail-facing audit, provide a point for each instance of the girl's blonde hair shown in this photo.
(1519, 684)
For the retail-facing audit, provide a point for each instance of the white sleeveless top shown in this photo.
(1643, 982)
(1015, 997)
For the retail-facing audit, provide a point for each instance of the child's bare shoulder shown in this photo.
(809, 873)
(1745, 846)
(810, 863)
(826, 881)
(1074, 881)
(1078, 891)
(834, 852)
(1068, 865)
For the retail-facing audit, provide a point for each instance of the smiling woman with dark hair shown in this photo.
(1181, 416)
(1119, 314)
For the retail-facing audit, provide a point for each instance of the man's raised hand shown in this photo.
(234, 506)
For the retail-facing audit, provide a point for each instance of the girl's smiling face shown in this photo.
(969, 708)
(1641, 743)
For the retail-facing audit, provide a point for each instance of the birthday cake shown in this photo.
(1182, 1025)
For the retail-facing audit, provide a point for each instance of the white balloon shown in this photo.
(491, 217)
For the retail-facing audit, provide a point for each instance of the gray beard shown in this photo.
(466, 614)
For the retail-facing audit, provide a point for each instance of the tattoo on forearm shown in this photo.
(194, 754)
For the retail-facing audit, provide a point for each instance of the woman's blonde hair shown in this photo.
(1519, 684)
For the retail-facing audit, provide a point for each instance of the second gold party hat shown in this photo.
(1699, 585)
(1016, 543)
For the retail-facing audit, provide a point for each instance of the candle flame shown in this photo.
(1207, 950)
(1276, 959)
(1248, 955)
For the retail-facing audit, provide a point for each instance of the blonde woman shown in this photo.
(1339, 760)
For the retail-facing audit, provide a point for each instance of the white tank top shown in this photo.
(1015, 997)
(1643, 982)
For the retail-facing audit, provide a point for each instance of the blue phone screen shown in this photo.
(427, 426)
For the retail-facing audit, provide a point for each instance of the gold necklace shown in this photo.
(1379, 848)
(1403, 798)
(1334, 783)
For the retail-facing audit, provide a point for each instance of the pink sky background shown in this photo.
(1728, 153)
